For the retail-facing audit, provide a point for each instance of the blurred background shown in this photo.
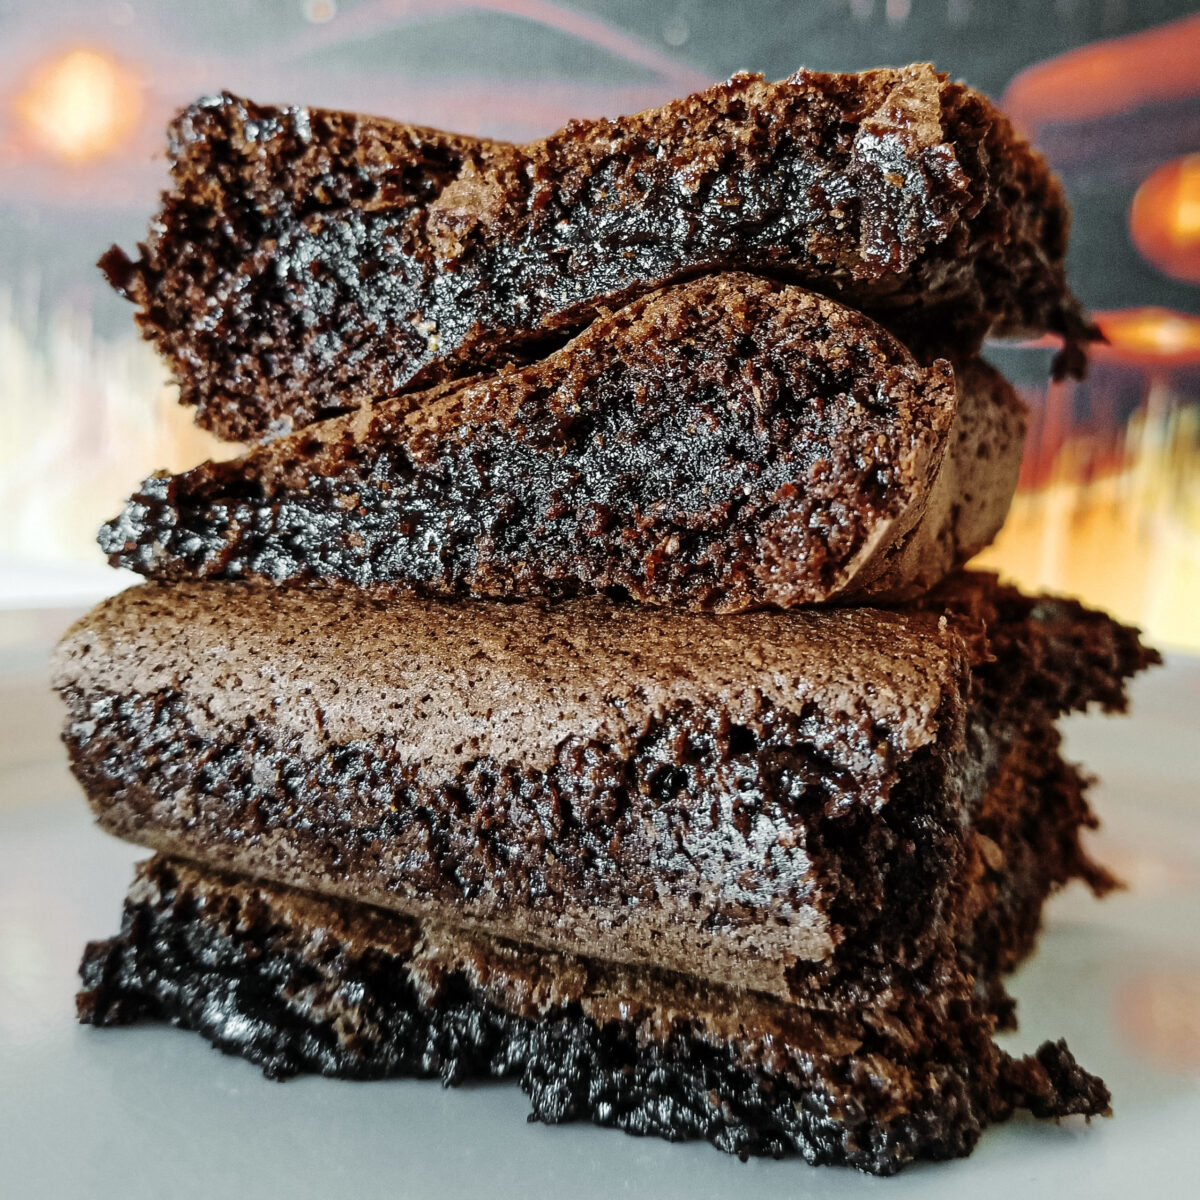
(1109, 506)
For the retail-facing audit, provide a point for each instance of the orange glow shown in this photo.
(1108, 77)
(81, 105)
(1111, 513)
(1159, 1014)
(1152, 335)
(1164, 219)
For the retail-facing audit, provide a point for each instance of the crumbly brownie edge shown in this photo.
(970, 496)
(293, 984)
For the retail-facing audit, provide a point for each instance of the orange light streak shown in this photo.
(1109, 77)
(1154, 336)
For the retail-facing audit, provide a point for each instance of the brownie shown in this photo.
(724, 444)
(785, 802)
(302, 257)
(295, 983)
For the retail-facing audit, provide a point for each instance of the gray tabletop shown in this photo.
(150, 1111)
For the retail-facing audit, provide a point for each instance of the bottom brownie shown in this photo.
(296, 982)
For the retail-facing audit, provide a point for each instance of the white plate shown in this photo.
(153, 1112)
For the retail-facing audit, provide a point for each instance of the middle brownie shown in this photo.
(760, 800)
(725, 444)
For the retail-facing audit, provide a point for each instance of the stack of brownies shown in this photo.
(577, 681)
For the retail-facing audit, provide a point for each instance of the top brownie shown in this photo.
(304, 259)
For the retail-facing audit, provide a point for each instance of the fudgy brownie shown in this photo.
(776, 801)
(724, 444)
(303, 256)
(294, 982)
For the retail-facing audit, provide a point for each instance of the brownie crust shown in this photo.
(302, 256)
(729, 443)
(296, 983)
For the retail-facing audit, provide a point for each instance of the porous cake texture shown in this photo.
(304, 259)
(724, 444)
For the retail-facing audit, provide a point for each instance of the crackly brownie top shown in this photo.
(510, 681)
(334, 664)
(304, 259)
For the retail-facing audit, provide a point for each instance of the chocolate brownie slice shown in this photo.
(793, 803)
(294, 982)
(724, 444)
(303, 256)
